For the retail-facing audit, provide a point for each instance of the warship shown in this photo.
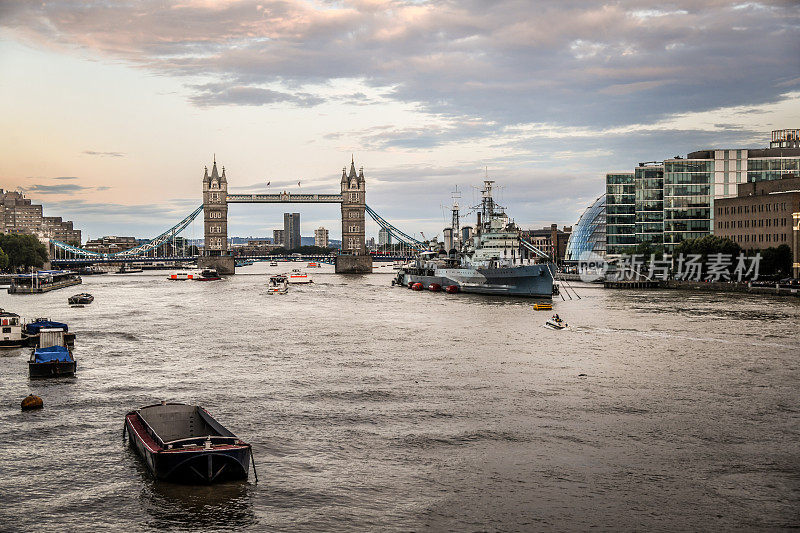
(493, 260)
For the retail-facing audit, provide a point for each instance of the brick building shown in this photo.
(760, 215)
(111, 244)
(551, 241)
(19, 215)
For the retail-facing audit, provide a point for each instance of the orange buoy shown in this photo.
(32, 402)
(451, 289)
(434, 287)
(417, 287)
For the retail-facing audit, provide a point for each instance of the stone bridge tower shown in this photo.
(215, 222)
(354, 258)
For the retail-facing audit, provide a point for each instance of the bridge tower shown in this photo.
(215, 222)
(354, 257)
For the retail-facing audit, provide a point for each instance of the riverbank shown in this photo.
(727, 287)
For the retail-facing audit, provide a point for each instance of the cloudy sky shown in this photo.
(112, 109)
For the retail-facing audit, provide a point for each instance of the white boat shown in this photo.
(11, 336)
(182, 275)
(278, 285)
(297, 276)
(313, 265)
(273, 263)
(556, 323)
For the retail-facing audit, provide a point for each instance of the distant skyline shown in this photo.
(112, 109)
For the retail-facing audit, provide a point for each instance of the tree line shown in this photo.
(21, 252)
(775, 261)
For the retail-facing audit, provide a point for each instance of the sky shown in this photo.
(113, 109)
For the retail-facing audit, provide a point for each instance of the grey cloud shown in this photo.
(214, 94)
(104, 154)
(560, 62)
(65, 178)
(70, 188)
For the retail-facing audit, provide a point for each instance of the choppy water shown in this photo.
(373, 408)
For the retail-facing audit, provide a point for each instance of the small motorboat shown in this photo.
(208, 274)
(183, 443)
(556, 323)
(313, 265)
(11, 330)
(297, 276)
(273, 263)
(83, 298)
(52, 358)
(278, 285)
(32, 331)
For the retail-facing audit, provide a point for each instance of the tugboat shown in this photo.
(11, 332)
(81, 299)
(278, 285)
(183, 443)
(208, 274)
(299, 277)
(52, 358)
(492, 262)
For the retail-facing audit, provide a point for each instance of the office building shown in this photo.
(291, 230)
(278, 237)
(321, 237)
(384, 237)
(588, 235)
(620, 213)
(649, 205)
(760, 216)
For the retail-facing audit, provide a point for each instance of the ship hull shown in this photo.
(531, 281)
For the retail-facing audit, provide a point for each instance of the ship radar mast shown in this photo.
(456, 194)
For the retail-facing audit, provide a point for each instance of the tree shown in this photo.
(708, 245)
(775, 261)
(3, 260)
(23, 251)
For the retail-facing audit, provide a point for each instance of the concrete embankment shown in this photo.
(740, 287)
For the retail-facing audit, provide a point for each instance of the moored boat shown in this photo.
(31, 332)
(313, 265)
(11, 330)
(298, 276)
(129, 269)
(83, 298)
(273, 263)
(52, 358)
(183, 443)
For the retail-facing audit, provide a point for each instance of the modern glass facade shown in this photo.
(765, 168)
(688, 200)
(589, 234)
(620, 213)
(649, 185)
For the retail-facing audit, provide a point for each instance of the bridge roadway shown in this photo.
(318, 258)
(284, 197)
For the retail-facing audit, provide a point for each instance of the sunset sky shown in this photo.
(112, 109)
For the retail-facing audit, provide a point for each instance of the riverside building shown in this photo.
(321, 237)
(761, 215)
(588, 235)
(620, 213)
(291, 230)
(19, 215)
(687, 190)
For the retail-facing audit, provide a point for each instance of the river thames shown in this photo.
(377, 408)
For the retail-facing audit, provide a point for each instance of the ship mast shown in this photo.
(455, 222)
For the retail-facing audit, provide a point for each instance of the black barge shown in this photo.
(184, 444)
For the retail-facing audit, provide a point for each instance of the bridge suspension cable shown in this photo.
(138, 251)
(395, 232)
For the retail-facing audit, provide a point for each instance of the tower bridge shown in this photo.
(351, 199)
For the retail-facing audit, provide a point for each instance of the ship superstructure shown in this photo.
(493, 261)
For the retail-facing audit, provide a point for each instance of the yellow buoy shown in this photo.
(542, 307)
(32, 402)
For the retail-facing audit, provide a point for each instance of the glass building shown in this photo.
(589, 233)
(620, 213)
(649, 184)
(688, 200)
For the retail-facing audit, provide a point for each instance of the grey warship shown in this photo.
(494, 261)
